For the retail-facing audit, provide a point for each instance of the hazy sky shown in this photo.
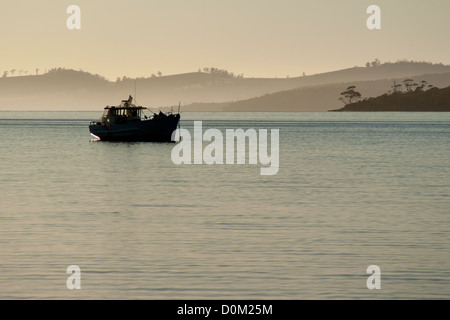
(259, 38)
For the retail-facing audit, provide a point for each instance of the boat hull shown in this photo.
(157, 130)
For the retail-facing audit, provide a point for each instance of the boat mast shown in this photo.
(135, 90)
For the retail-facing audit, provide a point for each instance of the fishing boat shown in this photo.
(128, 122)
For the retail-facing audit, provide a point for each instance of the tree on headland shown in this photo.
(5, 74)
(350, 95)
(423, 84)
(396, 87)
(408, 84)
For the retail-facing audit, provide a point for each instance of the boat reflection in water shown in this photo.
(127, 122)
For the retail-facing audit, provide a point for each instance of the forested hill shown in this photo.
(434, 99)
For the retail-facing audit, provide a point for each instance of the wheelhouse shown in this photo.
(122, 114)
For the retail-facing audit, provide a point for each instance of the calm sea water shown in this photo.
(353, 190)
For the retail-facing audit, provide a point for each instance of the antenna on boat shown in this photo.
(135, 90)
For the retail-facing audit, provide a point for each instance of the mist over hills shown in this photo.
(209, 89)
(324, 97)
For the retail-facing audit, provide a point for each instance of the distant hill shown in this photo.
(434, 99)
(316, 98)
(213, 89)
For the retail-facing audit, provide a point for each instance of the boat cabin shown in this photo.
(122, 114)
